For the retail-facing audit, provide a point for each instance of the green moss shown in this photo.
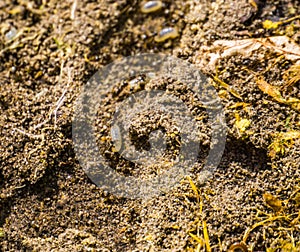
(1, 233)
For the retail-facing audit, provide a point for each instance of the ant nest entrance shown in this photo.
(155, 141)
(156, 125)
(146, 136)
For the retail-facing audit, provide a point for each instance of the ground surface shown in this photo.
(48, 52)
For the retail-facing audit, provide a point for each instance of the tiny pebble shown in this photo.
(11, 34)
(13, 69)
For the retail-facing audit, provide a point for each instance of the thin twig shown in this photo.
(73, 10)
(62, 98)
(40, 136)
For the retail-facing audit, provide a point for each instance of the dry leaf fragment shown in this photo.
(276, 94)
(272, 202)
(270, 90)
(292, 75)
(225, 48)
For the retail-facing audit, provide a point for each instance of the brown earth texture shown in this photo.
(248, 50)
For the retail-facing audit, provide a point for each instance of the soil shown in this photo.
(48, 52)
